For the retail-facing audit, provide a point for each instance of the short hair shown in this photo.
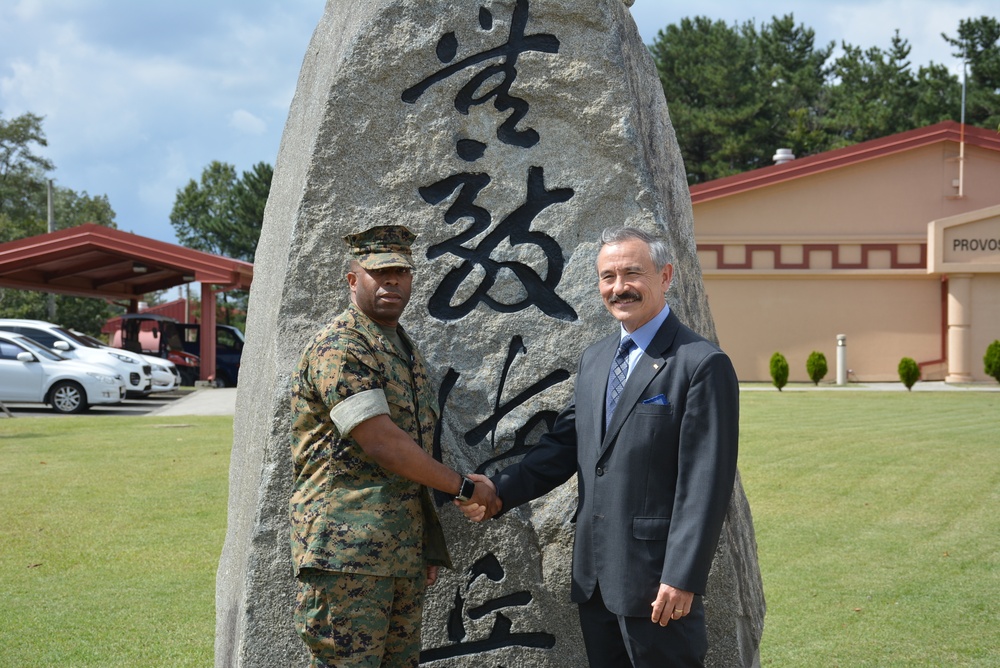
(657, 248)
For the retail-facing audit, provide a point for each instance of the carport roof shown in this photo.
(96, 261)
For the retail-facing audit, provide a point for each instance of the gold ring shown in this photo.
(680, 610)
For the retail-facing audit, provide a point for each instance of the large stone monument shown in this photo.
(507, 134)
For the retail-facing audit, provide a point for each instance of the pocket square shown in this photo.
(658, 400)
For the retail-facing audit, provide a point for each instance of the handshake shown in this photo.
(484, 503)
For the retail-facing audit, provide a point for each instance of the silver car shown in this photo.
(133, 370)
(163, 372)
(32, 373)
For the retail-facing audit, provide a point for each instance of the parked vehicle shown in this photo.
(159, 336)
(229, 343)
(132, 369)
(181, 343)
(30, 372)
(164, 373)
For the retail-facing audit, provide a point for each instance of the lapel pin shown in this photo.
(656, 366)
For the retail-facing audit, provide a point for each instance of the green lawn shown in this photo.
(110, 535)
(877, 518)
(878, 526)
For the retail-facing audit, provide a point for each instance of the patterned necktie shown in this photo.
(616, 379)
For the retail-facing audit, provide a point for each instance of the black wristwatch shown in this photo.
(467, 490)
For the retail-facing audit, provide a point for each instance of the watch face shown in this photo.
(468, 489)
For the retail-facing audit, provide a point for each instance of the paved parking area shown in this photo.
(161, 403)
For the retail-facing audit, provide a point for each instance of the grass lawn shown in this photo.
(110, 535)
(878, 526)
(877, 518)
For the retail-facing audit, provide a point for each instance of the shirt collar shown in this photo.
(643, 336)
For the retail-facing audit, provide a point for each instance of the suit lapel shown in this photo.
(651, 363)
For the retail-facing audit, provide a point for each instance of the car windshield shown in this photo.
(39, 349)
(89, 339)
(74, 337)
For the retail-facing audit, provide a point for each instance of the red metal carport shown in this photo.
(96, 261)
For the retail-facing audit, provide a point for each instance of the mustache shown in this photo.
(614, 299)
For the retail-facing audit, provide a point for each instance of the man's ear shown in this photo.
(352, 281)
(668, 275)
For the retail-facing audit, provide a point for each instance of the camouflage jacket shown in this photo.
(349, 514)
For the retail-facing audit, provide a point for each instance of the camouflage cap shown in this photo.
(382, 247)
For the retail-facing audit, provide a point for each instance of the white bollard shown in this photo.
(841, 359)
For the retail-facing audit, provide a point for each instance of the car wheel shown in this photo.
(68, 397)
(188, 377)
(222, 380)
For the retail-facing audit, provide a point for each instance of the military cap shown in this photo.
(382, 247)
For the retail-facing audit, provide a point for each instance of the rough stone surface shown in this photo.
(567, 133)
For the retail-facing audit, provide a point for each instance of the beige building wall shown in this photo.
(884, 320)
(845, 248)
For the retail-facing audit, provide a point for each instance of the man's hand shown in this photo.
(671, 603)
(484, 503)
(432, 575)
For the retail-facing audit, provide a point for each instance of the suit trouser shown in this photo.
(615, 641)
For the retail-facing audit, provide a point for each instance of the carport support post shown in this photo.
(207, 334)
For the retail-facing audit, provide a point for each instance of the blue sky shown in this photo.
(138, 97)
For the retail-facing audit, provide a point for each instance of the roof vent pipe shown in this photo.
(783, 155)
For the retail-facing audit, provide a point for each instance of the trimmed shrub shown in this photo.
(909, 372)
(779, 370)
(991, 360)
(816, 366)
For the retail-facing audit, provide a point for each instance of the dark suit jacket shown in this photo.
(654, 490)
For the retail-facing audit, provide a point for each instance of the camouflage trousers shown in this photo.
(360, 621)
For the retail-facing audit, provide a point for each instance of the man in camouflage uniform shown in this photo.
(366, 539)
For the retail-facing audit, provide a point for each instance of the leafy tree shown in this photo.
(816, 366)
(24, 213)
(991, 360)
(707, 72)
(738, 92)
(223, 214)
(249, 198)
(978, 44)
(779, 370)
(858, 107)
(22, 170)
(909, 372)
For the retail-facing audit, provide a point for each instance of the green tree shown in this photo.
(779, 370)
(991, 360)
(736, 93)
(24, 213)
(858, 108)
(909, 372)
(223, 214)
(816, 366)
(22, 170)
(707, 71)
(249, 199)
(978, 44)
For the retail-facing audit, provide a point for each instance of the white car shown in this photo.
(133, 370)
(163, 372)
(32, 373)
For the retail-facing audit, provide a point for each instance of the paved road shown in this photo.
(179, 402)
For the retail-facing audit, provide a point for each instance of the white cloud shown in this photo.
(245, 122)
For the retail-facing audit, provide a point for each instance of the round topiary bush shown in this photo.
(816, 366)
(991, 361)
(779, 370)
(909, 372)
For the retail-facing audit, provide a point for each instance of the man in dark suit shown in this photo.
(652, 435)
